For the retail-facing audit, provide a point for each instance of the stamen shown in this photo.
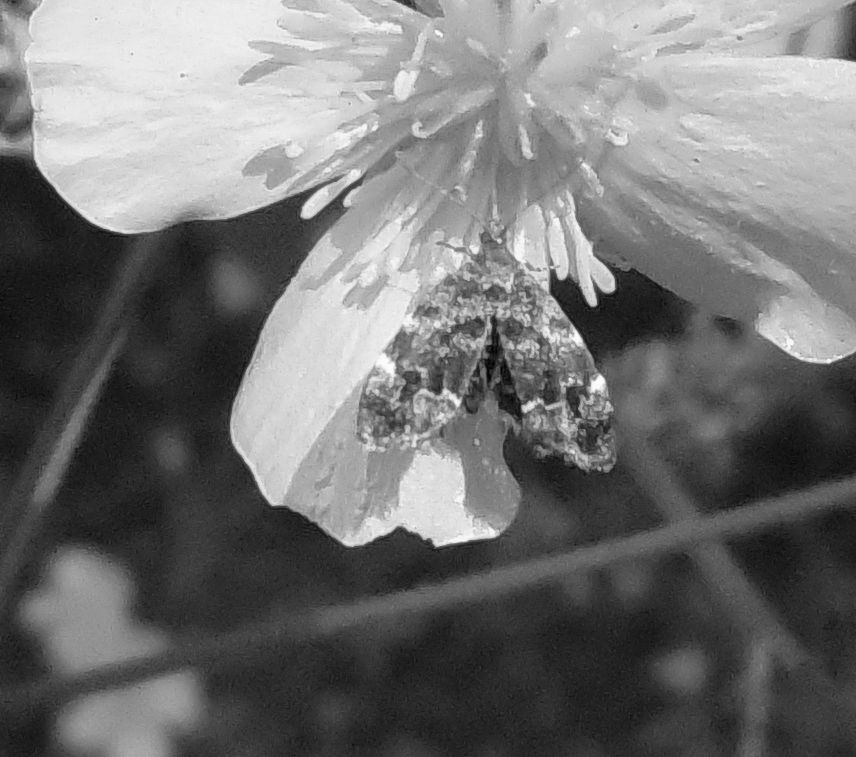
(602, 276)
(420, 132)
(590, 177)
(591, 273)
(564, 238)
(405, 79)
(525, 142)
(463, 104)
(361, 90)
(326, 194)
(376, 249)
(583, 255)
(471, 152)
(556, 245)
(404, 83)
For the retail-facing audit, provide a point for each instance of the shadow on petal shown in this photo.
(457, 490)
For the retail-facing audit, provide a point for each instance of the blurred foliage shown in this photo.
(15, 110)
(80, 614)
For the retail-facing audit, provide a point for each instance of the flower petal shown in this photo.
(679, 24)
(736, 191)
(455, 491)
(339, 312)
(294, 419)
(320, 340)
(149, 113)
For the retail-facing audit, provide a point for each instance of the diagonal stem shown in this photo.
(747, 607)
(45, 466)
(758, 620)
(756, 705)
(287, 628)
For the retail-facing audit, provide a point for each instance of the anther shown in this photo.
(405, 79)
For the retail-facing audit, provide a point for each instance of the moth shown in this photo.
(490, 327)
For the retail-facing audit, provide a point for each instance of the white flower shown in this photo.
(627, 130)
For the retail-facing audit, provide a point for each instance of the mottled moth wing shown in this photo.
(418, 384)
(490, 326)
(564, 404)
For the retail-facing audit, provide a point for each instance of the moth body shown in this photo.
(490, 327)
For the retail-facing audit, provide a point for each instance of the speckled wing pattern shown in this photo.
(490, 326)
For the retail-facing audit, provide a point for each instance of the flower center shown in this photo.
(523, 98)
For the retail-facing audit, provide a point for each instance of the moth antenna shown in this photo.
(573, 175)
(585, 174)
(494, 230)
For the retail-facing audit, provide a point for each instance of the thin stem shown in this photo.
(45, 466)
(757, 619)
(288, 628)
(747, 607)
(757, 686)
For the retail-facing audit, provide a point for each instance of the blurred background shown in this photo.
(159, 533)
